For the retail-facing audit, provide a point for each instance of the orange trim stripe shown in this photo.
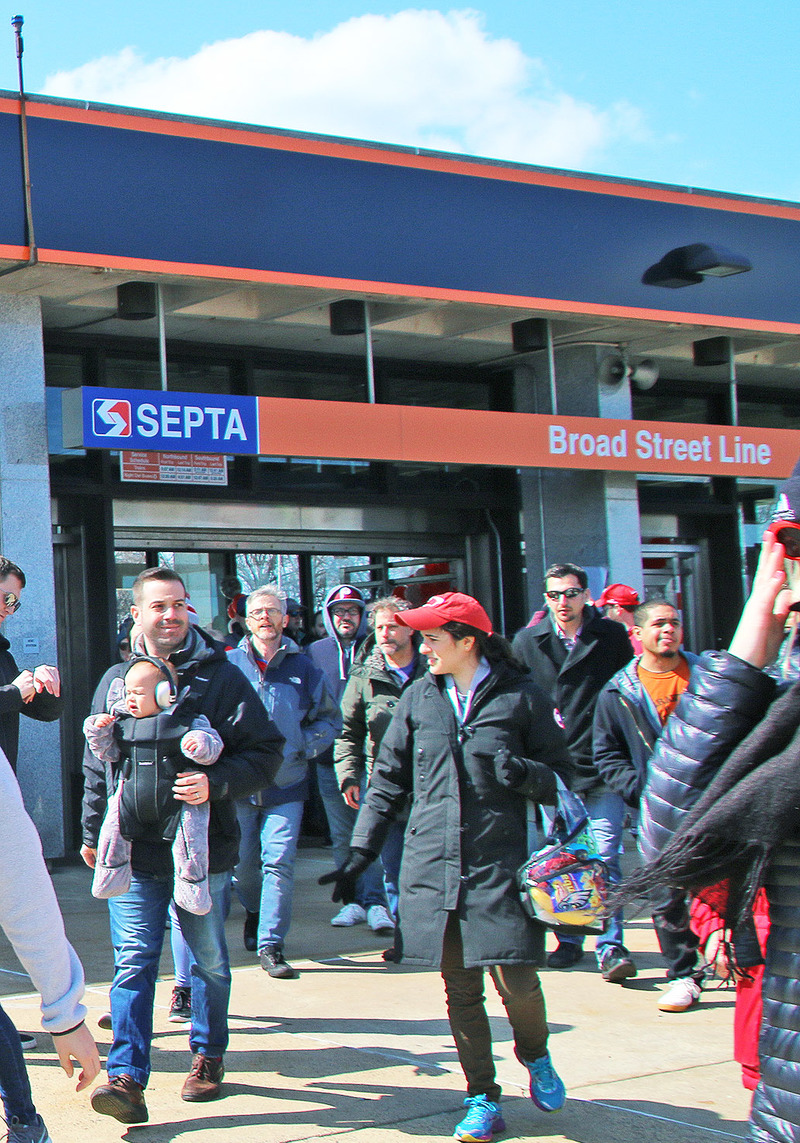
(434, 293)
(377, 154)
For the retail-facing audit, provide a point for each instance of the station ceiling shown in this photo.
(264, 316)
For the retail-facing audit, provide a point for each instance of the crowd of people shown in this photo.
(437, 750)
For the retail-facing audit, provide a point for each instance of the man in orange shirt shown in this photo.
(629, 717)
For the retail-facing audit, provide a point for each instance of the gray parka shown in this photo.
(466, 834)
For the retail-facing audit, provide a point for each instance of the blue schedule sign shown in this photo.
(160, 421)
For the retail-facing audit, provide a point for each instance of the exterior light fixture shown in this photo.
(688, 265)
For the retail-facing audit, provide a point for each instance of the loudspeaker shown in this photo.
(711, 351)
(529, 334)
(645, 374)
(347, 317)
(137, 301)
(612, 370)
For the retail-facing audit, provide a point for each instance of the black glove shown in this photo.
(344, 878)
(510, 772)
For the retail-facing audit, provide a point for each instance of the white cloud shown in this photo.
(419, 78)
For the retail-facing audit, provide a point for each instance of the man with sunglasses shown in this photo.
(572, 653)
(36, 693)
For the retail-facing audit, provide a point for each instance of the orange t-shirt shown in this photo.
(665, 689)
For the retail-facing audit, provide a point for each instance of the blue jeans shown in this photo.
(607, 813)
(391, 857)
(181, 957)
(15, 1087)
(264, 877)
(341, 819)
(138, 920)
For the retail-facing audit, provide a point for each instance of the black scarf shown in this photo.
(730, 835)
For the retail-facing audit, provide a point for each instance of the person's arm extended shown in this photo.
(760, 631)
(31, 919)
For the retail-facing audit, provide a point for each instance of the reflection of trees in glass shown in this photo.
(328, 571)
(257, 568)
(124, 601)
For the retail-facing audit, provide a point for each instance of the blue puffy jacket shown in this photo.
(298, 700)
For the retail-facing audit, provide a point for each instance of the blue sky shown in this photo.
(690, 92)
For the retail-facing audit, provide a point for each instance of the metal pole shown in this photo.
(162, 337)
(370, 360)
(733, 400)
(551, 369)
(17, 22)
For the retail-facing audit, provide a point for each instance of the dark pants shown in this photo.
(676, 939)
(521, 993)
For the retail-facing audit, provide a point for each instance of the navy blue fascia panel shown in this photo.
(12, 215)
(106, 190)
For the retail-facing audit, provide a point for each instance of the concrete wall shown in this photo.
(25, 538)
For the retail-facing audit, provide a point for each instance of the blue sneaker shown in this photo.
(547, 1088)
(481, 1121)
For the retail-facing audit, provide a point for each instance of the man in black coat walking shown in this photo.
(572, 653)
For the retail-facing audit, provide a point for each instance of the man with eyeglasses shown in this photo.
(344, 614)
(36, 693)
(295, 693)
(572, 653)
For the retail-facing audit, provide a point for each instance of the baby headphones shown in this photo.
(166, 690)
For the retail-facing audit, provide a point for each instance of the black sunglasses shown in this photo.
(12, 602)
(568, 593)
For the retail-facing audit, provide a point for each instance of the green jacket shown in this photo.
(368, 703)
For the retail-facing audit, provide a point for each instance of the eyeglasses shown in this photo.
(568, 593)
(787, 534)
(260, 612)
(346, 612)
(12, 602)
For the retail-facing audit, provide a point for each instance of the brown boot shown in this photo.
(123, 1098)
(204, 1081)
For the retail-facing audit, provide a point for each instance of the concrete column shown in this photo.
(25, 538)
(584, 517)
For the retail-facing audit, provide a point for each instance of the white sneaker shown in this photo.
(379, 920)
(351, 914)
(682, 994)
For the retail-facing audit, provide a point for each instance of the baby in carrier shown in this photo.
(145, 736)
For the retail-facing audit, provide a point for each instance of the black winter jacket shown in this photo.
(725, 700)
(466, 835)
(574, 680)
(626, 727)
(211, 685)
(44, 707)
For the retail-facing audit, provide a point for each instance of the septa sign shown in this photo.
(160, 421)
(111, 418)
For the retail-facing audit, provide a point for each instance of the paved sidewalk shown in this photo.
(359, 1050)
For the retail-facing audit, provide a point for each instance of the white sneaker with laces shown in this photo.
(681, 995)
(351, 914)
(379, 920)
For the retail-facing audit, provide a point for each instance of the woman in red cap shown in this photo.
(470, 743)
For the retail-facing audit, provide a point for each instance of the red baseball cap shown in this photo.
(452, 607)
(619, 593)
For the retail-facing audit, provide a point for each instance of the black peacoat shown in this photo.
(467, 833)
(575, 679)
